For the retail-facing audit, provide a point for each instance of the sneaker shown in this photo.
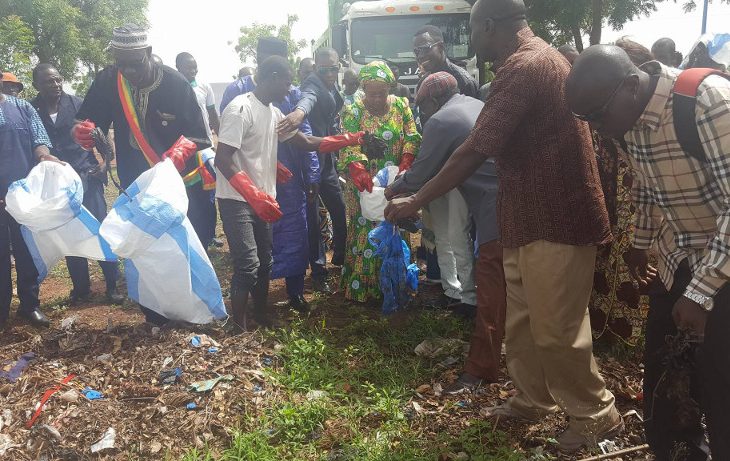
(465, 384)
(321, 285)
(572, 440)
(113, 297)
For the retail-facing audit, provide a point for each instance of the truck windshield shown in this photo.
(392, 38)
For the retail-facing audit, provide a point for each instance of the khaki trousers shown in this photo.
(548, 335)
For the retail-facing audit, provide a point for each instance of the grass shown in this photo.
(344, 394)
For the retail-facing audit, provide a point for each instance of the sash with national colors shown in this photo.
(199, 174)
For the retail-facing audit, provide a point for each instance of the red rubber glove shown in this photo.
(361, 177)
(264, 205)
(335, 143)
(180, 152)
(283, 175)
(406, 162)
(82, 134)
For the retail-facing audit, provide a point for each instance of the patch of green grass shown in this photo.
(368, 371)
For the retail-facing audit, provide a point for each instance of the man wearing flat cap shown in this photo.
(151, 106)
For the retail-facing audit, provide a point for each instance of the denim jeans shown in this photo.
(249, 239)
(27, 274)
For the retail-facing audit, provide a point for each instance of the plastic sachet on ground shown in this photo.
(166, 266)
(48, 205)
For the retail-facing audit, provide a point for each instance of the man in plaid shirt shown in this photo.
(683, 206)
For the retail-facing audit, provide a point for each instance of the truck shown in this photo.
(384, 30)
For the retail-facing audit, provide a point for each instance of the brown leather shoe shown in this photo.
(465, 384)
(505, 412)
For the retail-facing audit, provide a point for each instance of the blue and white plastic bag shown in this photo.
(372, 204)
(398, 277)
(165, 264)
(48, 205)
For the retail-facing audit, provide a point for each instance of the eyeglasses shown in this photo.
(597, 115)
(324, 70)
(419, 50)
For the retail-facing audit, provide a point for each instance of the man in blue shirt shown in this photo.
(23, 143)
(58, 110)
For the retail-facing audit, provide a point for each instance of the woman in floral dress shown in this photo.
(388, 117)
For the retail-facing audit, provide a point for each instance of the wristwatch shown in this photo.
(705, 302)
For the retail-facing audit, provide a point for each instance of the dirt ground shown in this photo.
(112, 350)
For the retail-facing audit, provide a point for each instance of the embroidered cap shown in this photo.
(436, 85)
(129, 37)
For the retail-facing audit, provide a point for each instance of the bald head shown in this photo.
(499, 9)
(607, 89)
(570, 53)
(664, 50)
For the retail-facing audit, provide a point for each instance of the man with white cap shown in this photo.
(151, 107)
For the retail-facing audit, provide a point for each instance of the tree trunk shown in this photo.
(577, 37)
(597, 22)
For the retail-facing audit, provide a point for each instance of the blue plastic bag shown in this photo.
(398, 278)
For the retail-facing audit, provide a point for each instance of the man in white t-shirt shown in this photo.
(247, 158)
(186, 65)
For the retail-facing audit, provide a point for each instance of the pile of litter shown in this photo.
(78, 393)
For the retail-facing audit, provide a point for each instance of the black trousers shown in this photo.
(709, 382)
(331, 194)
(24, 268)
(78, 268)
(201, 213)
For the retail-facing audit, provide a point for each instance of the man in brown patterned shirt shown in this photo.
(552, 217)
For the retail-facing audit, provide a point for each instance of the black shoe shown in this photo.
(299, 304)
(77, 299)
(35, 318)
(113, 297)
(216, 242)
(321, 285)
(338, 260)
(465, 384)
(442, 302)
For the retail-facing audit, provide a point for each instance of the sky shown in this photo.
(209, 29)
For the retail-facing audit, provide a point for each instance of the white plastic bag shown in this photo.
(372, 204)
(48, 205)
(167, 269)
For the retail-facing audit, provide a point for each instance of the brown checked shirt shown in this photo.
(549, 184)
(683, 204)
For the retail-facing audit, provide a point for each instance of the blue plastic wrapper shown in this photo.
(397, 276)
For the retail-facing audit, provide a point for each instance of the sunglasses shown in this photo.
(419, 50)
(324, 70)
(599, 114)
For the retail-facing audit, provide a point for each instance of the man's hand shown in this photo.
(639, 267)
(49, 158)
(340, 141)
(402, 208)
(389, 193)
(291, 122)
(360, 177)
(81, 133)
(283, 175)
(312, 193)
(98, 172)
(688, 315)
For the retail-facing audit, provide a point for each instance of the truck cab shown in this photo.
(384, 30)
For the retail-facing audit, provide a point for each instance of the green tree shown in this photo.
(16, 41)
(335, 10)
(247, 41)
(71, 34)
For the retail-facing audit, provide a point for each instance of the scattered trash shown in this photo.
(105, 358)
(12, 372)
(155, 332)
(207, 385)
(50, 430)
(106, 442)
(170, 376)
(6, 443)
(68, 322)
(155, 447)
(440, 347)
(47, 395)
(6, 419)
(191, 406)
(203, 341)
(462, 404)
(633, 413)
(316, 395)
(166, 362)
(92, 394)
(69, 396)
(213, 350)
(266, 361)
(607, 446)
(257, 389)
(438, 389)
